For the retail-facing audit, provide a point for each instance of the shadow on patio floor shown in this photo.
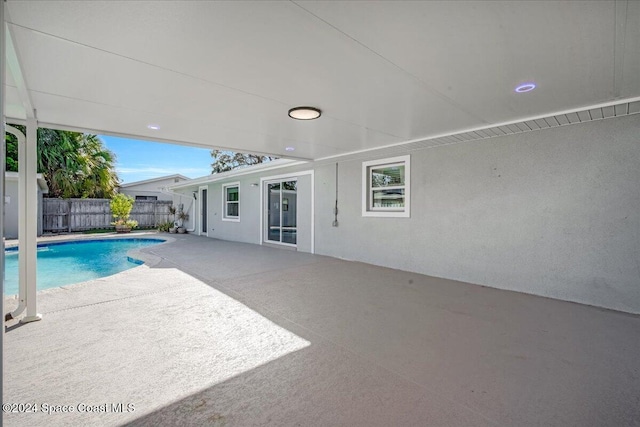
(334, 343)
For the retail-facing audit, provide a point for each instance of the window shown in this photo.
(146, 197)
(385, 187)
(231, 202)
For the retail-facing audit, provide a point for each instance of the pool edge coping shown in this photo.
(8, 244)
(148, 260)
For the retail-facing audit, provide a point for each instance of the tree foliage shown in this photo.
(11, 153)
(73, 164)
(121, 205)
(224, 161)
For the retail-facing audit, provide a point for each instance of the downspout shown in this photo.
(191, 230)
(22, 285)
(173, 193)
(193, 203)
(335, 209)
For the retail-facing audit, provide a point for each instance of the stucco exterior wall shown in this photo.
(554, 213)
(248, 228)
(11, 207)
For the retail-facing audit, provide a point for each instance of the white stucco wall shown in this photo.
(554, 212)
(12, 205)
(248, 228)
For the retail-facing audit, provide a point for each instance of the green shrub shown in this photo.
(121, 206)
(165, 226)
(131, 223)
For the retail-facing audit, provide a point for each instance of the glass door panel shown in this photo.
(289, 225)
(203, 202)
(273, 215)
(281, 215)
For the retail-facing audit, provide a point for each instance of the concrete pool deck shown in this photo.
(220, 333)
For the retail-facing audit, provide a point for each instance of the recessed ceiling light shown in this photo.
(289, 148)
(304, 113)
(154, 127)
(525, 87)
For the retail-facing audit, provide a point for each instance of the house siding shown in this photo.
(554, 212)
(12, 206)
(156, 188)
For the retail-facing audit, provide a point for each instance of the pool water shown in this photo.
(65, 263)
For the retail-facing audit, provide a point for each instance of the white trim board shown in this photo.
(199, 225)
(223, 189)
(254, 169)
(631, 106)
(406, 212)
(148, 181)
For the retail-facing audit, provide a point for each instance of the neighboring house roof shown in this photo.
(42, 184)
(148, 181)
(274, 164)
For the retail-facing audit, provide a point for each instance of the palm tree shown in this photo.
(73, 164)
(97, 166)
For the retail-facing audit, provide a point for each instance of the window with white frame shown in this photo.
(386, 187)
(231, 202)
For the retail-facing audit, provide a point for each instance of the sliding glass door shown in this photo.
(281, 211)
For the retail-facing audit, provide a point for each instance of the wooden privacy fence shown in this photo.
(69, 215)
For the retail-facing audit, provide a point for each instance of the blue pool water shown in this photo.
(65, 263)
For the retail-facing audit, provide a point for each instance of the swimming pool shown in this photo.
(65, 263)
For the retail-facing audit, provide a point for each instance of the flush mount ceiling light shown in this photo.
(153, 127)
(525, 87)
(289, 148)
(304, 113)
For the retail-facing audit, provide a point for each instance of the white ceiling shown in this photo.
(224, 74)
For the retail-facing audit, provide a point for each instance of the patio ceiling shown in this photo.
(224, 74)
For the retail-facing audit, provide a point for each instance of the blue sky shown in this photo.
(138, 160)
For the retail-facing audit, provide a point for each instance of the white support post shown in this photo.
(27, 186)
(29, 232)
(2, 164)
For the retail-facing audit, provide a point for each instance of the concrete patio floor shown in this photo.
(228, 334)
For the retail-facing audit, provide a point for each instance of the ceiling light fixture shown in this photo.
(153, 127)
(525, 87)
(289, 148)
(304, 113)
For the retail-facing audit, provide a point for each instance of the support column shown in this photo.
(27, 183)
(2, 167)
(29, 215)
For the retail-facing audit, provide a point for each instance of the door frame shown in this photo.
(200, 220)
(293, 175)
(280, 210)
